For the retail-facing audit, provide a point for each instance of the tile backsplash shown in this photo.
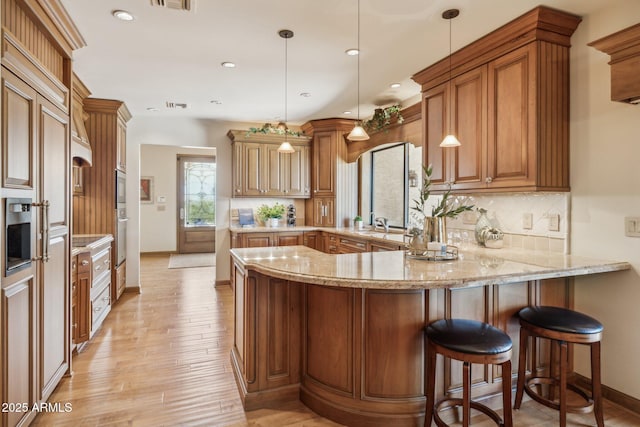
(507, 213)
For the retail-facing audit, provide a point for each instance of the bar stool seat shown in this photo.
(469, 341)
(563, 326)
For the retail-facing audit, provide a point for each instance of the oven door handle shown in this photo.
(123, 219)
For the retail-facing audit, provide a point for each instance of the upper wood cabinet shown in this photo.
(624, 49)
(324, 163)
(107, 130)
(259, 170)
(459, 106)
(508, 103)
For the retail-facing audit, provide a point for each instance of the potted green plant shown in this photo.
(383, 117)
(434, 219)
(357, 222)
(271, 214)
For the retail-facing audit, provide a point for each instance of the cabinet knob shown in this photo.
(85, 262)
(488, 180)
(237, 190)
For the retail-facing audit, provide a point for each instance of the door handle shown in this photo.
(44, 245)
(181, 213)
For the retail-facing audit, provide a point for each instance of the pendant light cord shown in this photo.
(450, 82)
(359, 62)
(286, 41)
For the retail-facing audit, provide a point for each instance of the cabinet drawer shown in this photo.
(352, 245)
(101, 263)
(100, 307)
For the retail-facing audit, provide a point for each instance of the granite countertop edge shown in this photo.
(474, 270)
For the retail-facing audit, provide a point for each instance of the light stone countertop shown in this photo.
(392, 270)
(87, 242)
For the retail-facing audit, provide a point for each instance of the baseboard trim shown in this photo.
(223, 283)
(615, 396)
(133, 290)
(158, 253)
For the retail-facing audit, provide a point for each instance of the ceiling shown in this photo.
(166, 55)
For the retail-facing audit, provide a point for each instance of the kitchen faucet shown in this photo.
(379, 222)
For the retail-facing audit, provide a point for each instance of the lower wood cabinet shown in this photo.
(266, 239)
(121, 280)
(81, 284)
(356, 355)
(266, 349)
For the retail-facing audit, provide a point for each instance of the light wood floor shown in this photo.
(162, 359)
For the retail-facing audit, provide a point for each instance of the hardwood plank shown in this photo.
(162, 358)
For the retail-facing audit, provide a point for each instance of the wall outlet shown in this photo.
(554, 222)
(632, 226)
(527, 221)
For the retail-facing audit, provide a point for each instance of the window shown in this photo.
(200, 193)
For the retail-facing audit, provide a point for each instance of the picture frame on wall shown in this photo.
(146, 189)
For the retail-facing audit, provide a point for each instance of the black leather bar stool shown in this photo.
(562, 326)
(469, 341)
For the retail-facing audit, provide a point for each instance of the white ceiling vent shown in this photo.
(188, 5)
(177, 105)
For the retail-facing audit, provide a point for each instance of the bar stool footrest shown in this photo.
(453, 402)
(552, 382)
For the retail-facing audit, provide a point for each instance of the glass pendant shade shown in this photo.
(286, 147)
(358, 134)
(450, 141)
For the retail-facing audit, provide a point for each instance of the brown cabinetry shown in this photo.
(101, 288)
(312, 240)
(266, 347)
(324, 212)
(259, 170)
(333, 181)
(81, 285)
(106, 127)
(508, 103)
(459, 106)
(266, 239)
(624, 49)
(35, 304)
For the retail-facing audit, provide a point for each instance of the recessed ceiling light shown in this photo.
(305, 94)
(227, 64)
(346, 112)
(394, 85)
(122, 15)
(352, 52)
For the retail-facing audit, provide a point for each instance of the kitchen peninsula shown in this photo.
(343, 333)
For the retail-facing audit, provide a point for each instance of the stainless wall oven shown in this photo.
(121, 218)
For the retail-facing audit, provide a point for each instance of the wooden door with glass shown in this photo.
(196, 204)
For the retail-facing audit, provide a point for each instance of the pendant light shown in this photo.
(450, 140)
(358, 133)
(285, 147)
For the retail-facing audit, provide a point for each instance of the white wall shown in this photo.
(605, 182)
(179, 132)
(159, 220)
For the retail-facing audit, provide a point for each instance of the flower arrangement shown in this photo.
(265, 212)
(445, 208)
(382, 117)
(280, 129)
